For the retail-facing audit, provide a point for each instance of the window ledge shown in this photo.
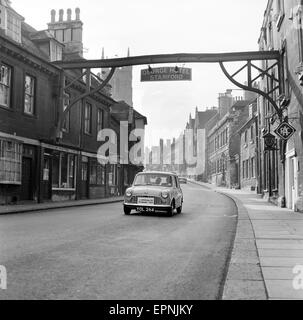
(10, 183)
(6, 108)
(63, 189)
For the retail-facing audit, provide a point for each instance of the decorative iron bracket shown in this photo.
(250, 86)
(88, 92)
(221, 58)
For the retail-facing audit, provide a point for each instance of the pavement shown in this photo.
(267, 258)
(31, 207)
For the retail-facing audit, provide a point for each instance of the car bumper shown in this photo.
(145, 207)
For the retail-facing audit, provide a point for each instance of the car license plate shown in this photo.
(146, 201)
(142, 209)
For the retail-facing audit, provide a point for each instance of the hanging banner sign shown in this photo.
(166, 74)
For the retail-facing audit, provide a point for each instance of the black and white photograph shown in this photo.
(151, 151)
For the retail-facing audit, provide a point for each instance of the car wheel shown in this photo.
(171, 210)
(179, 210)
(127, 211)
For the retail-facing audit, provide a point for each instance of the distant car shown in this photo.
(183, 180)
(154, 192)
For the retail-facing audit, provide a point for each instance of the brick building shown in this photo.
(34, 165)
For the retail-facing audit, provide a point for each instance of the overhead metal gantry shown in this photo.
(272, 70)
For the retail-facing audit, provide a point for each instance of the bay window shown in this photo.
(64, 168)
(10, 162)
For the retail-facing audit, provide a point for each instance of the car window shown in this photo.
(160, 180)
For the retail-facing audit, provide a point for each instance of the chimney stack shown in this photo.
(77, 13)
(61, 13)
(69, 32)
(53, 16)
(69, 14)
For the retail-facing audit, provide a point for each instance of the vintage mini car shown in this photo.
(154, 192)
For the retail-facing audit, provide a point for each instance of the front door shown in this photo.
(84, 184)
(27, 179)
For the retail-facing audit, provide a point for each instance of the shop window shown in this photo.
(29, 95)
(112, 175)
(10, 162)
(63, 169)
(5, 85)
(97, 174)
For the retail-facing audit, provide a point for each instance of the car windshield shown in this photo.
(160, 180)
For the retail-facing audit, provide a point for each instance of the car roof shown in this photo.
(159, 172)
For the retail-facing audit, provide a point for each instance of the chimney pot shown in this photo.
(53, 16)
(61, 13)
(69, 14)
(77, 14)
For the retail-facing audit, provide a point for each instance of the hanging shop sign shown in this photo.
(166, 74)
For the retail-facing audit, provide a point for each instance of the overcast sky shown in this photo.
(163, 26)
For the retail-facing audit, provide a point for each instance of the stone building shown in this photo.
(282, 177)
(249, 151)
(223, 140)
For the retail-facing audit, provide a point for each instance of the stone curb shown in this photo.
(59, 205)
(244, 279)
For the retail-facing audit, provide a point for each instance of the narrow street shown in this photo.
(97, 252)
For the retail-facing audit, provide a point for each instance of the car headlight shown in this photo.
(128, 193)
(165, 194)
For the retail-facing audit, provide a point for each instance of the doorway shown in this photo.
(84, 183)
(27, 179)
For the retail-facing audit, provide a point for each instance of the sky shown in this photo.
(162, 27)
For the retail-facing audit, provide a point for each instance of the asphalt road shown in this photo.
(97, 252)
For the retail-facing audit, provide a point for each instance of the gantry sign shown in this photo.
(271, 70)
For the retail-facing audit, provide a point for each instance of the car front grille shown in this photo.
(158, 200)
